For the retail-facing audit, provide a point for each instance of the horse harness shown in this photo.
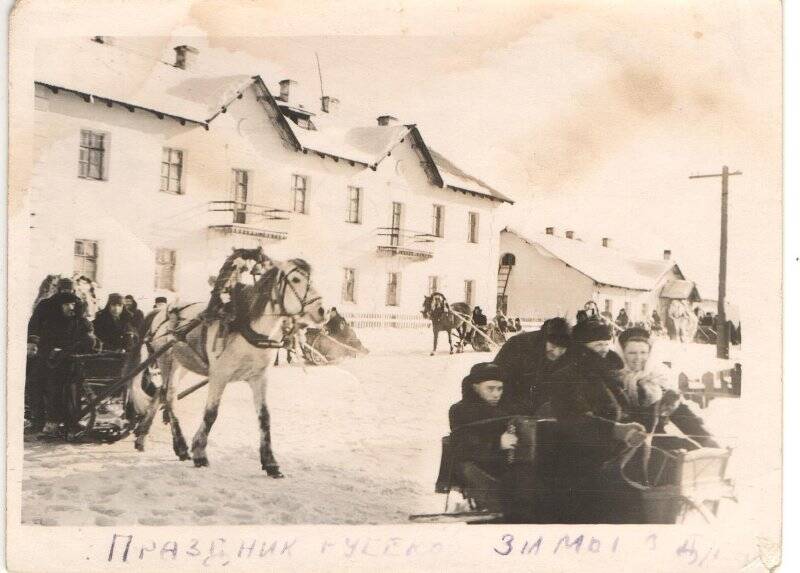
(241, 322)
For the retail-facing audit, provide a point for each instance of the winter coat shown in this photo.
(587, 395)
(137, 317)
(115, 334)
(523, 356)
(48, 310)
(479, 443)
(71, 334)
(335, 325)
(642, 409)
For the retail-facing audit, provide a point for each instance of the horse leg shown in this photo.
(435, 340)
(450, 340)
(178, 442)
(215, 388)
(268, 462)
(143, 427)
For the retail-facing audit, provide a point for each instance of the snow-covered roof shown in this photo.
(680, 289)
(603, 265)
(113, 73)
(119, 73)
(454, 177)
(367, 145)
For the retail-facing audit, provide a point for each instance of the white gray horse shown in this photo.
(282, 294)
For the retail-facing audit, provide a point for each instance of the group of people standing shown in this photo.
(58, 328)
(602, 404)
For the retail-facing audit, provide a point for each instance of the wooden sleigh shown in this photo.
(677, 486)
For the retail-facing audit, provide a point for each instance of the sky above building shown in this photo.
(591, 115)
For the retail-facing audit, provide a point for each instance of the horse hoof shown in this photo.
(433, 353)
(185, 456)
(201, 462)
(139, 447)
(274, 472)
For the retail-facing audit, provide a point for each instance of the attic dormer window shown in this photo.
(303, 122)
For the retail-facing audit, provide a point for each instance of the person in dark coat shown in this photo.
(622, 318)
(529, 357)
(590, 431)
(517, 325)
(138, 316)
(596, 336)
(61, 333)
(335, 324)
(479, 318)
(482, 432)
(46, 311)
(114, 326)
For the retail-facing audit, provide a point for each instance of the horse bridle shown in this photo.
(303, 300)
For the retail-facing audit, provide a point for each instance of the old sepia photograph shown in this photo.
(495, 270)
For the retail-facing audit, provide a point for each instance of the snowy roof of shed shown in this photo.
(680, 289)
(603, 265)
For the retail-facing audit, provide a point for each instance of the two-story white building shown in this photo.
(148, 171)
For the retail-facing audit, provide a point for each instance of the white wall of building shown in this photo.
(130, 217)
(542, 287)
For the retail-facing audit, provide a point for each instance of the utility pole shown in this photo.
(723, 335)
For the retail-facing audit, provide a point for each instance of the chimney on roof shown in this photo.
(386, 120)
(185, 56)
(667, 254)
(286, 89)
(570, 234)
(329, 104)
(606, 242)
(550, 230)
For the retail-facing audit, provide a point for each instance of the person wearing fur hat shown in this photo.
(63, 332)
(114, 326)
(596, 336)
(529, 358)
(482, 433)
(653, 399)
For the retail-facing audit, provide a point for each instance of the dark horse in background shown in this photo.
(436, 308)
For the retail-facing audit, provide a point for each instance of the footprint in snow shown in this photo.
(205, 510)
(112, 511)
(152, 521)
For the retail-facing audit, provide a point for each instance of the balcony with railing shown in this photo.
(238, 218)
(405, 243)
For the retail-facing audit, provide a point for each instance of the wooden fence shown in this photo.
(399, 320)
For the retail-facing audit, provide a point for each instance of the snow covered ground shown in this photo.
(359, 443)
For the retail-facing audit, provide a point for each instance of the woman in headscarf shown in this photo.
(653, 398)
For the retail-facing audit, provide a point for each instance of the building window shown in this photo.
(397, 220)
(392, 289)
(240, 183)
(438, 221)
(469, 291)
(433, 284)
(165, 269)
(92, 155)
(299, 190)
(349, 286)
(353, 204)
(473, 227)
(628, 309)
(609, 307)
(85, 259)
(171, 170)
(645, 313)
